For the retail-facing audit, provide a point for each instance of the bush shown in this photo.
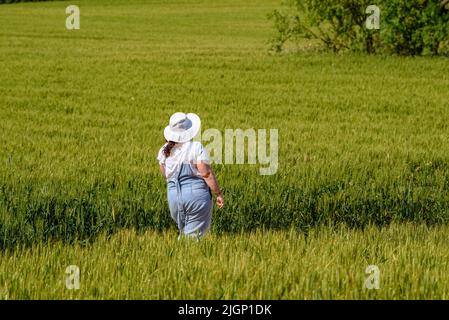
(338, 24)
(415, 27)
(408, 27)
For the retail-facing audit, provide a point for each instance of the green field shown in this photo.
(363, 143)
(413, 262)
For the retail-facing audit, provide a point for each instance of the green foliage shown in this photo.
(407, 27)
(339, 25)
(415, 27)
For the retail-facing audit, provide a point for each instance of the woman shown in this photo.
(190, 179)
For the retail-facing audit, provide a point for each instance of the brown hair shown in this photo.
(168, 147)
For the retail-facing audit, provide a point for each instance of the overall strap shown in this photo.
(181, 223)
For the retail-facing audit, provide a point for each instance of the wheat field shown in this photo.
(363, 174)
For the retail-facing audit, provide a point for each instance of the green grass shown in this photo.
(412, 261)
(363, 139)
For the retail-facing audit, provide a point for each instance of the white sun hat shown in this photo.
(183, 127)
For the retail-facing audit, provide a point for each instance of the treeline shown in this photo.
(404, 27)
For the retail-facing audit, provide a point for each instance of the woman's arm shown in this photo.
(208, 175)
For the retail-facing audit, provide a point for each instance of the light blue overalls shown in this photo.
(190, 202)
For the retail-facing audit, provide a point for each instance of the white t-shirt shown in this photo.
(190, 152)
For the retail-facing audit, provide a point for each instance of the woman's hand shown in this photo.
(220, 201)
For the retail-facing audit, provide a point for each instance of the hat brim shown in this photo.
(186, 135)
